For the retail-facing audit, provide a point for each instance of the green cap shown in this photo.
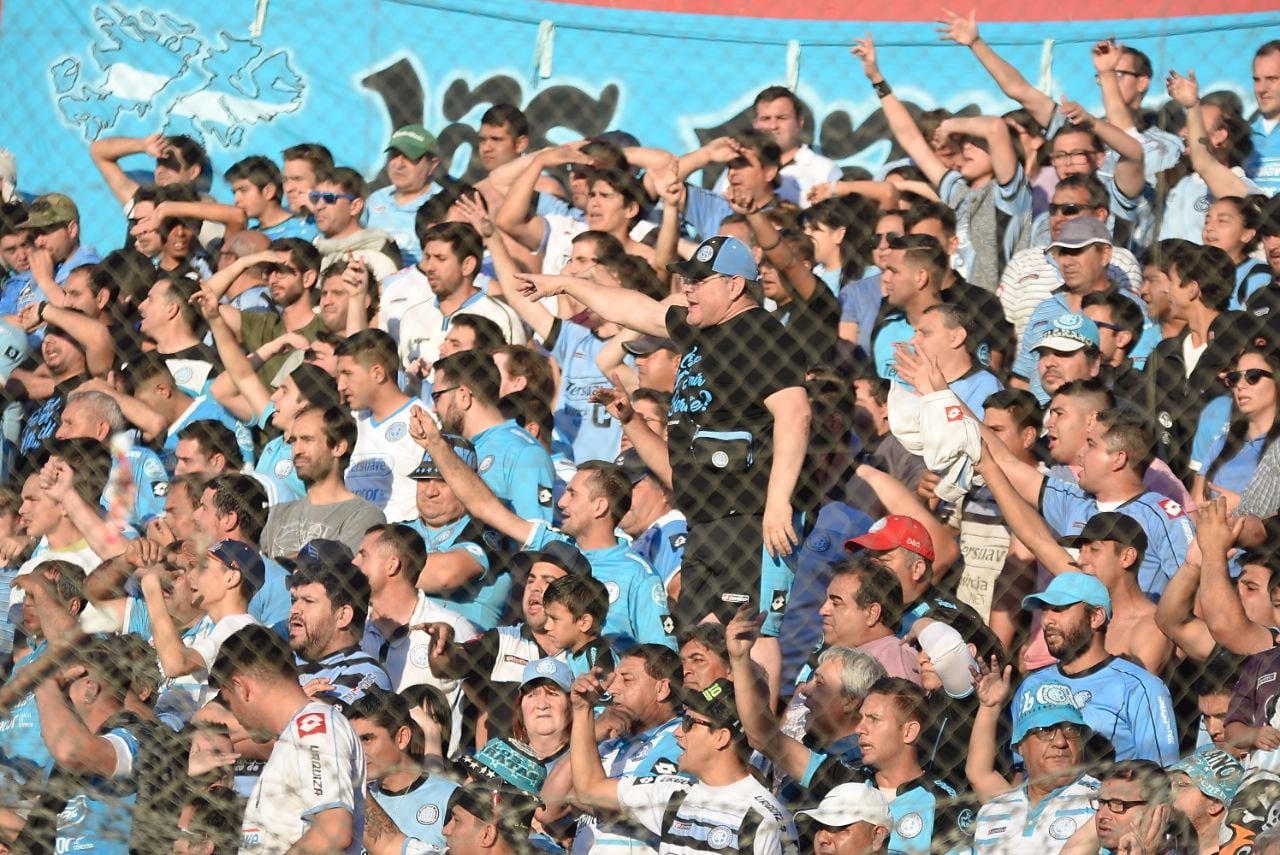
(51, 209)
(413, 141)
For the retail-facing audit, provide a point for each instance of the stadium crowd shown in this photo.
(590, 508)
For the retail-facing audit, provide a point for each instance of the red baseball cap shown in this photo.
(892, 532)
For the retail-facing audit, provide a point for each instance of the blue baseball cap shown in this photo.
(1044, 706)
(547, 670)
(727, 256)
(1067, 589)
(427, 469)
(1070, 332)
(245, 560)
(1214, 772)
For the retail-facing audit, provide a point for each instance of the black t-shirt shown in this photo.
(814, 324)
(990, 328)
(721, 432)
(43, 419)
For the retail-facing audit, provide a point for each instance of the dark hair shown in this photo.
(774, 93)
(581, 595)
(524, 361)
(611, 483)
(529, 408)
(431, 699)
(849, 213)
(709, 635)
(463, 240)
(954, 317)
(1152, 781)
(339, 426)
(405, 545)
(487, 333)
(125, 273)
(1251, 212)
(385, 709)
(908, 698)
(343, 584)
(623, 183)
(370, 347)
(1218, 676)
(609, 250)
(315, 154)
(763, 144)
(244, 496)
(1021, 405)
(108, 660)
(259, 171)
(213, 437)
(1094, 140)
(1238, 426)
(181, 290)
(348, 179)
(659, 397)
(69, 586)
(660, 663)
(1124, 313)
(924, 251)
(436, 209)
(12, 215)
(1088, 388)
(1141, 62)
(477, 371)
(303, 253)
(636, 274)
(930, 210)
(508, 115)
(315, 386)
(877, 585)
(1099, 198)
(1211, 269)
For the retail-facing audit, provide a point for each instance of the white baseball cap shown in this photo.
(849, 803)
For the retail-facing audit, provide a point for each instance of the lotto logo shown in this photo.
(955, 414)
(311, 724)
(1171, 508)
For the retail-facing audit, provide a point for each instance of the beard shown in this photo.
(1069, 645)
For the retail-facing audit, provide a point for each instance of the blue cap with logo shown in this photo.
(507, 761)
(1045, 705)
(1214, 772)
(1067, 589)
(1070, 332)
(726, 256)
(548, 670)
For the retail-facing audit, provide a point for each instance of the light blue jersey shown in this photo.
(294, 227)
(151, 482)
(1066, 508)
(652, 752)
(593, 433)
(1263, 165)
(202, 408)
(895, 329)
(662, 544)
(481, 600)
(23, 754)
(517, 469)
(638, 612)
(382, 211)
(99, 817)
(1122, 702)
(421, 811)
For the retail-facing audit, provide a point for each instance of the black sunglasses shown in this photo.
(1250, 376)
(1070, 209)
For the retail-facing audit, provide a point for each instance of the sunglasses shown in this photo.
(436, 396)
(1069, 210)
(317, 197)
(1251, 377)
(282, 269)
(688, 723)
(886, 238)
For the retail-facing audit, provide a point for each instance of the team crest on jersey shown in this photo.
(984, 354)
(910, 825)
(284, 468)
(1172, 509)
(1062, 828)
(613, 591)
(428, 815)
(819, 541)
(491, 539)
(1082, 699)
(311, 724)
(720, 837)
(658, 596)
(396, 431)
(183, 375)
(420, 655)
(965, 820)
(1166, 420)
(486, 464)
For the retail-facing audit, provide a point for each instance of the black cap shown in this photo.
(513, 808)
(565, 556)
(427, 469)
(1109, 525)
(718, 703)
(647, 344)
(245, 560)
(632, 466)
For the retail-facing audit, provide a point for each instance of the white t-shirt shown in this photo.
(384, 456)
(316, 764)
(208, 637)
(742, 817)
(423, 327)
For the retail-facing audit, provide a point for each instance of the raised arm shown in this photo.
(897, 499)
(992, 687)
(92, 335)
(176, 659)
(900, 122)
(141, 416)
(1025, 478)
(107, 152)
(73, 746)
(623, 306)
(798, 275)
(993, 129)
(235, 362)
(651, 447)
(1220, 604)
(1023, 520)
(514, 216)
(1175, 613)
(964, 31)
(467, 486)
(230, 216)
(1217, 175)
(590, 784)
(751, 691)
(536, 315)
(1129, 176)
(223, 278)
(719, 150)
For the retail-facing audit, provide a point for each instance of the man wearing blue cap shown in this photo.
(739, 421)
(1056, 796)
(1125, 705)
(1070, 349)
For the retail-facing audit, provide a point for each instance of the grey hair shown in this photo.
(858, 670)
(102, 406)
